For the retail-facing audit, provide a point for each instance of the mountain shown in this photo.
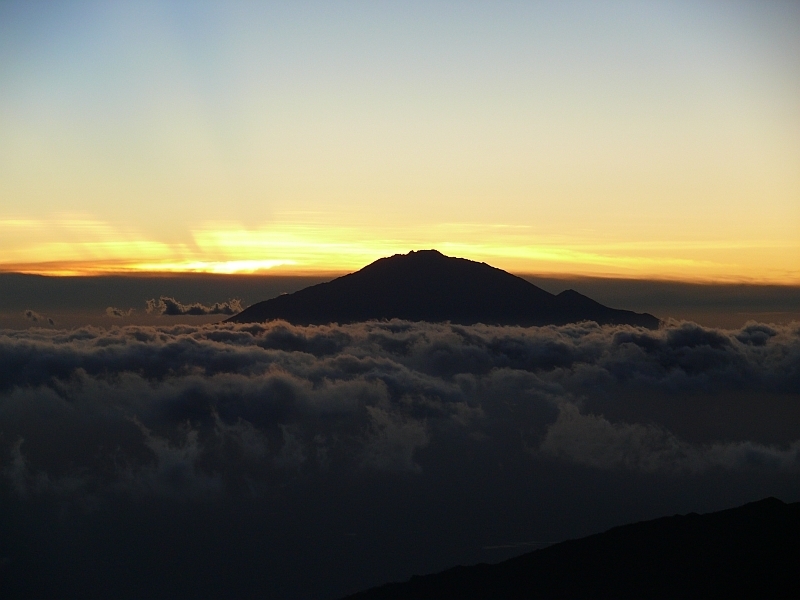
(429, 286)
(748, 552)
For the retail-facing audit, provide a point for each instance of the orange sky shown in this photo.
(300, 248)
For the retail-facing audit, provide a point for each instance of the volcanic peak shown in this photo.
(426, 285)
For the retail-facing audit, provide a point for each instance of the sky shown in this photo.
(655, 140)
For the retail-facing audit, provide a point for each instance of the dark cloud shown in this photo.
(33, 316)
(37, 318)
(118, 313)
(386, 430)
(171, 307)
(756, 334)
(382, 391)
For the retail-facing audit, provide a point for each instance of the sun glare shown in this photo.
(92, 248)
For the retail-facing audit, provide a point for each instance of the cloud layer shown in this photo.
(264, 412)
(369, 396)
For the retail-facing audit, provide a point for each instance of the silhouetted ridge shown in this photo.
(429, 286)
(748, 552)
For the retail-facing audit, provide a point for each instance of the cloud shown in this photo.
(37, 318)
(118, 312)
(756, 334)
(299, 435)
(33, 316)
(594, 441)
(394, 441)
(189, 399)
(171, 307)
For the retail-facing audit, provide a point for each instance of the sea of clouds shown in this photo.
(272, 415)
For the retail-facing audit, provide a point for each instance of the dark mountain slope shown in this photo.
(428, 286)
(748, 552)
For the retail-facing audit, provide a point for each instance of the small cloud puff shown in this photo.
(37, 318)
(171, 307)
(118, 313)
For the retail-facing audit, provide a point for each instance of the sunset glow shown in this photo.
(645, 141)
(304, 249)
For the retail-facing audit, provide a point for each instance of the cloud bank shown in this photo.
(311, 421)
(369, 396)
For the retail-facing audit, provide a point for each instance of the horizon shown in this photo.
(56, 269)
(73, 302)
(518, 261)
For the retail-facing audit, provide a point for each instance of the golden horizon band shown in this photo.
(90, 247)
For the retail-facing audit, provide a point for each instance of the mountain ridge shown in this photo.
(426, 285)
(752, 551)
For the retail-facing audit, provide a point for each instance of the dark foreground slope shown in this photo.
(748, 552)
(428, 286)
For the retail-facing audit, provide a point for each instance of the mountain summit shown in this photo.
(428, 286)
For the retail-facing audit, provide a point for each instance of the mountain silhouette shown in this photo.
(748, 552)
(429, 286)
